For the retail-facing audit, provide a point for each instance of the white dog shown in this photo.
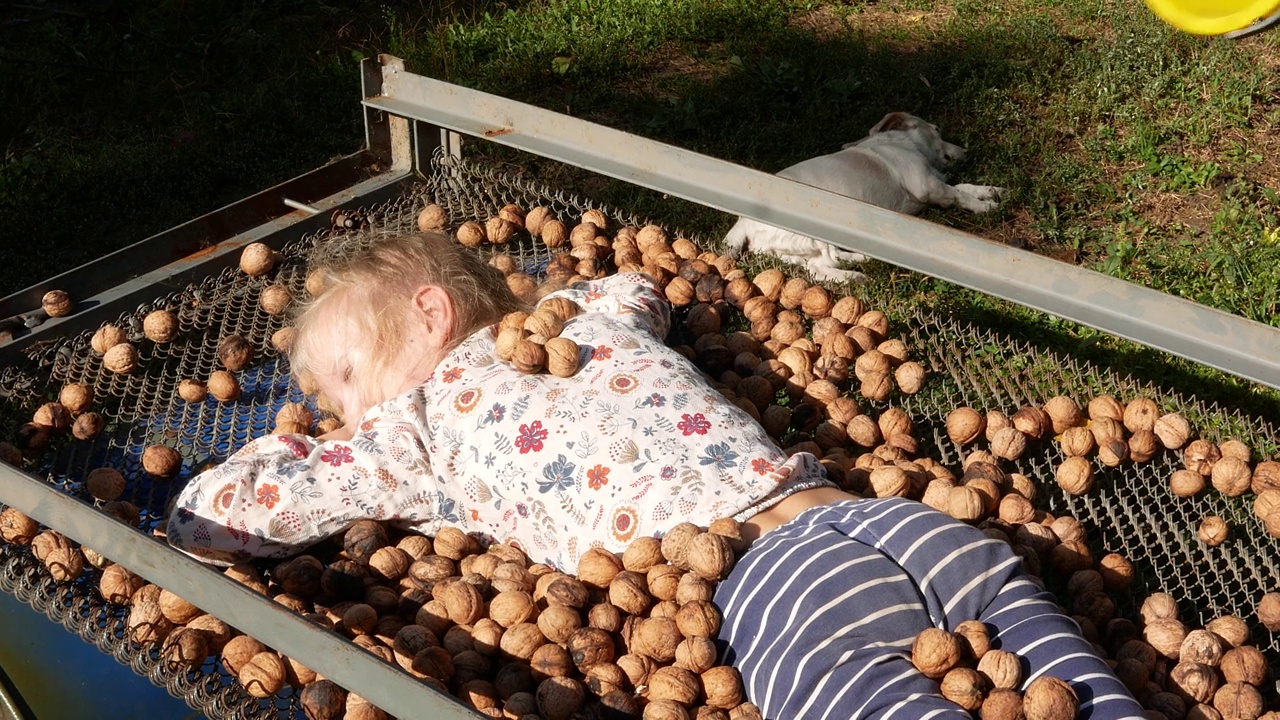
(897, 166)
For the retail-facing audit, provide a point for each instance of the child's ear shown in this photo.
(433, 306)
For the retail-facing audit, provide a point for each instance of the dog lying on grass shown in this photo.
(897, 166)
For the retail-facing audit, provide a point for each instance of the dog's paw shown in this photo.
(831, 274)
(980, 198)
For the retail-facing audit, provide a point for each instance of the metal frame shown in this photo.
(408, 117)
(1230, 343)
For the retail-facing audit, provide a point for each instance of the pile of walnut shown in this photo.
(1113, 433)
(1177, 673)
(632, 634)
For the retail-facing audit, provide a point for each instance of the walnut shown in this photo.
(560, 698)
(105, 338)
(223, 386)
(239, 651)
(1076, 441)
(323, 700)
(57, 303)
(666, 710)
(630, 593)
(498, 231)
(1213, 531)
(1008, 444)
(512, 607)
(217, 632)
(598, 567)
(1002, 705)
(1002, 669)
(1268, 611)
(1238, 701)
(1230, 629)
(192, 391)
(1266, 476)
(675, 684)
(117, 585)
(710, 556)
(551, 660)
(263, 675)
(432, 662)
(656, 638)
(185, 648)
(642, 554)
(360, 619)
(698, 618)
(1201, 646)
(275, 299)
(161, 461)
(1200, 456)
(64, 562)
(964, 425)
(1231, 476)
(567, 591)
(1048, 698)
(177, 610)
(877, 386)
(1245, 664)
(461, 599)
(363, 539)
(557, 622)
(696, 654)
(1075, 475)
(1192, 681)
(432, 217)
(86, 427)
(146, 623)
(1185, 483)
(235, 352)
(121, 358)
(105, 484)
(910, 377)
(1142, 446)
(1113, 451)
(935, 652)
(676, 542)
(1172, 430)
(605, 616)
(1158, 606)
(470, 234)
(590, 646)
(964, 687)
(1031, 421)
(1165, 635)
(1141, 414)
(389, 563)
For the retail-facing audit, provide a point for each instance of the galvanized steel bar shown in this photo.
(1221, 340)
(381, 683)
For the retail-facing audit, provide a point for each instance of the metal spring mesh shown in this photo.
(1131, 511)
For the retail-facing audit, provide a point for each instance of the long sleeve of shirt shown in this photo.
(281, 493)
(632, 444)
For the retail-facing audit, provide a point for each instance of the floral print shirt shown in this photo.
(634, 443)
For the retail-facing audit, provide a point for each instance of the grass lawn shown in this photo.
(1128, 148)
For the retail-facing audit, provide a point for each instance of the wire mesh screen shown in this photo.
(1132, 511)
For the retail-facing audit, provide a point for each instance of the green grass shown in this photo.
(1128, 148)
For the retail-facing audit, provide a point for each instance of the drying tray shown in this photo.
(1131, 511)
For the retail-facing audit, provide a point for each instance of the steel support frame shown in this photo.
(407, 118)
(1230, 343)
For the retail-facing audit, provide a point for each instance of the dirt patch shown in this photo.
(671, 63)
(886, 20)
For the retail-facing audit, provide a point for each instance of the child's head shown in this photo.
(389, 313)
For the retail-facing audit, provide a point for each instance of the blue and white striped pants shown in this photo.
(820, 615)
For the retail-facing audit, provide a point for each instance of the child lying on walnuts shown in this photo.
(819, 613)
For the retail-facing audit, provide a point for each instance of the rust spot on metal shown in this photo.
(202, 252)
(498, 131)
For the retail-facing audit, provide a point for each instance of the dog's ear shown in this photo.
(893, 121)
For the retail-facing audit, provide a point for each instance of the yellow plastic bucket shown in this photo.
(1217, 17)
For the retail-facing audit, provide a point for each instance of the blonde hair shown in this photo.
(368, 289)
